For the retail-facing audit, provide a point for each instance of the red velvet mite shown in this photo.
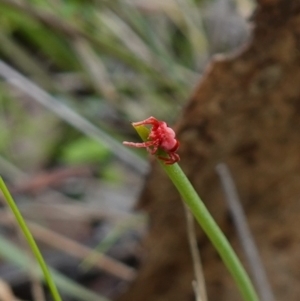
(160, 136)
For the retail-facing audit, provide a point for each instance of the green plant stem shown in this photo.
(207, 223)
(30, 240)
(211, 229)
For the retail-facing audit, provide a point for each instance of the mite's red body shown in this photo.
(161, 136)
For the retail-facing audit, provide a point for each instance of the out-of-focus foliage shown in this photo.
(114, 61)
(90, 67)
(84, 150)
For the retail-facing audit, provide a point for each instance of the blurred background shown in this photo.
(73, 75)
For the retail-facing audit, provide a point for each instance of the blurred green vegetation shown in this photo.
(111, 61)
(87, 68)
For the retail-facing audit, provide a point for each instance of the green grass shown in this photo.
(208, 224)
(52, 278)
(30, 240)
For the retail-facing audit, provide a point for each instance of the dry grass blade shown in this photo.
(65, 244)
(76, 249)
(6, 293)
(199, 283)
(244, 234)
(71, 117)
(57, 206)
(72, 32)
(128, 37)
(149, 48)
(71, 212)
(36, 285)
(24, 61)
(96, 70)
